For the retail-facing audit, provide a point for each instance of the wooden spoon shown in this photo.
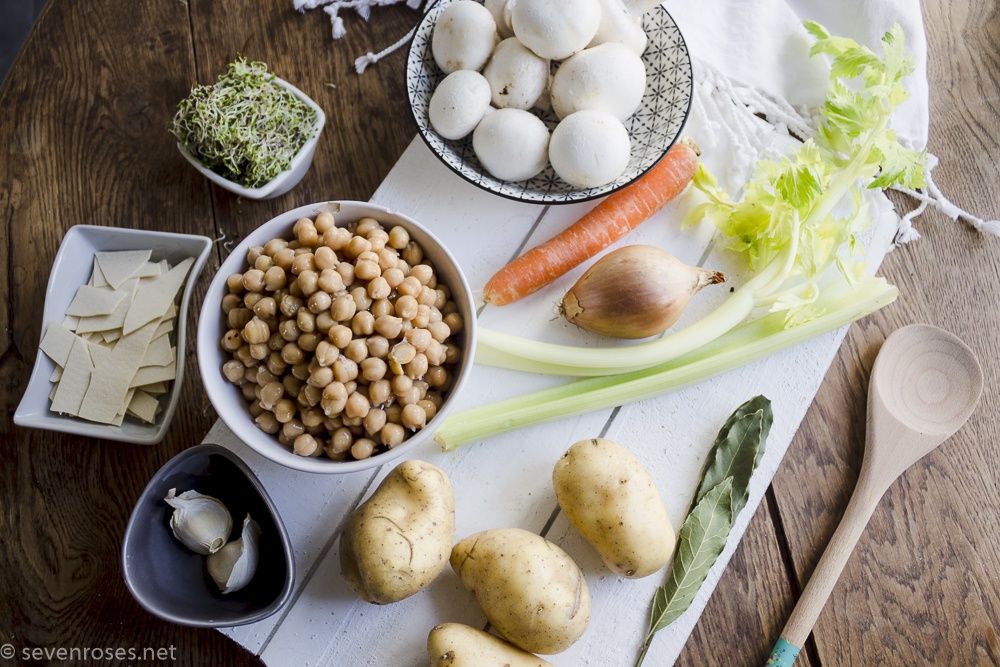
(925, 384)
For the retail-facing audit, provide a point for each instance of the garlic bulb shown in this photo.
(634, 292)
(233, 566)
(200, 522)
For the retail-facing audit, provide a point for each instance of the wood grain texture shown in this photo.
(921, 588)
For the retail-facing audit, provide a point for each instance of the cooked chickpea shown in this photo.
(399, 238)
(343, 307)
(379, 391)
(340, 335)
(292, 385)
(231, 301)
(289, 305)
(379, 288)
(373, 421)
(324, 221)
(388, 259)
(305, 261)
(330, 281)
(439, 330)
(238, 318)
(363, 323)
(381, 308)
(392, 434)
(265, 307)
(430, 409)
(312, 417)
(326, 353)
(367, 269)
(436, 376)
(366, 225)
(345, 370)
(378, 346)
(394, 276)
(292, 354)
(358, 245)
(325, 258)
(307, 445)
(324, 321)
(308, 282)
(310, 395)
(346, 271)
(410, 287)
(283, 260)
(258, 351)
(401, 384)
(289, 330)
(319, 302)
(419, 339)
(357, 405)
(414, 417)
(253, 280)
(253, 252)
(250, 299)
(402, 353)
(320, 377)
(378, 238)
(361, 299)
(363, 448)
(275, 364)
(263, 263)
(292, 429)
(417, 366)
(427, 296)
(309, 341)
(301, 370)
(305, 232)
(306, 320)
(337, 238)
(413, 254)
(235, 283)
(373, 369)
(435, 353)
(454, 322)
(270, 394)
(284, 410)
(267, 423)
(233, 370)
(356, 350)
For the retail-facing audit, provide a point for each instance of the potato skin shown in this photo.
(530, 589)
(613, 503)
(398, 541)
(457, 645)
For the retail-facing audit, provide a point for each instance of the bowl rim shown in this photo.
(142, 434)
(600, 192)
(303, 154)
(287, 588)
(208, 350)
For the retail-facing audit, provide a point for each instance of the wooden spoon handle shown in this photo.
(831, 564)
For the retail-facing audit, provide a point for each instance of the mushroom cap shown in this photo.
(464, 36)
(556, 29)
(511, 144)
(608, 77)
(517, 77)
(589, 148)
(618, 25)
(500, 9)
(458, 104)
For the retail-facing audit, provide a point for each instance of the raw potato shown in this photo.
(530, 589)
(398, 540)
(457, 645)
(613, 503)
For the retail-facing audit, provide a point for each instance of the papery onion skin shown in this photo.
(636, 291)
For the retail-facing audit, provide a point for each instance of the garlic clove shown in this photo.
(636, 291)
(201, 523)
(233, 566)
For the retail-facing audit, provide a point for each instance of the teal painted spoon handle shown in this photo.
(831, 564)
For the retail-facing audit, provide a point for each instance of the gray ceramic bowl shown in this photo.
(171, 581)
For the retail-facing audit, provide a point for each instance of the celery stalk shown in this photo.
(843, 303)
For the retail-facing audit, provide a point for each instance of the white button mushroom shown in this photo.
(589, 148)
(556, 29)
(458, 104)
(609, 77)
(500, 9)
(517, 77)
(511, 144)
(617, 25)
(464, 36)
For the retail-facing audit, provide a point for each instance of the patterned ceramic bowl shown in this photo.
(653, 128)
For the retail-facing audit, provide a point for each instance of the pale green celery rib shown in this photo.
(501, 349)
(748, 342)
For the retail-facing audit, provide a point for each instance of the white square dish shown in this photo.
(72, 267)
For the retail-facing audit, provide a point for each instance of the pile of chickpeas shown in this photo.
(341, 337)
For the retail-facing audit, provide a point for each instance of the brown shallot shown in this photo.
(636, 291)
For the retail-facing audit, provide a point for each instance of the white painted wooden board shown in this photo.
(506, 481)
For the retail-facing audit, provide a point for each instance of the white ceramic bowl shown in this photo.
(284, 181)
(653, 128)
(72, 267)
(228, 399)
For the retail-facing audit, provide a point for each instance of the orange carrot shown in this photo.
(606, 223)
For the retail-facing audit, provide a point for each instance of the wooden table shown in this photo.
(84, 114)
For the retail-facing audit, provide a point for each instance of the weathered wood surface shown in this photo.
(84, 114)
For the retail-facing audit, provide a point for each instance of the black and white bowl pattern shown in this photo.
(653, 128)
